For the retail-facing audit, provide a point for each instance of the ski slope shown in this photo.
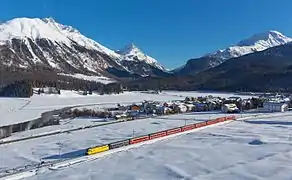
(253, 149)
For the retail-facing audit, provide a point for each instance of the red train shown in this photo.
(155, 135)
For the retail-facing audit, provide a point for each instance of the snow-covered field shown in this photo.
(15, 110)
(255, 149)
(66, 124)
(198, 94)
(100, 79)
(73, 144)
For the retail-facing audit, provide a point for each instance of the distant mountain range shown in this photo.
(256, 43)
(43, 46)
(267, 70)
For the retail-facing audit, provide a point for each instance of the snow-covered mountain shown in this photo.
(29, 43)
(256, 43)
(132, 53)
(134, 60)
(33, 43)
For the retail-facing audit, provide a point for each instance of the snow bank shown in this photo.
(19, 176)
(100, 79)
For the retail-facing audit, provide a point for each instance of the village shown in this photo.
(262, 104)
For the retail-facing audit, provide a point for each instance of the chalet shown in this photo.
(182, 108)
(274, 106)
(190, 107)
(135, 108)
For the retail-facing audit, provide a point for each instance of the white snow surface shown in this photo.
(32, 28)
(16, 110)
(48, 28)
(256, 149)
(73, 144)
(258, 42)
(21, 110)
(133, 53)
(100, 79)
(203, 94)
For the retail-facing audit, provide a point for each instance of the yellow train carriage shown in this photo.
(97, 149)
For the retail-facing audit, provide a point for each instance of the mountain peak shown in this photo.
(48, 28)
(49, 19)
(132, 46)
(255, 43)
(268, 38)
(61, 47)
(132, 53)
(33, 28)
(130, 49)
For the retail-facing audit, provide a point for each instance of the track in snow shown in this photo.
(64, 163)
(57, 165)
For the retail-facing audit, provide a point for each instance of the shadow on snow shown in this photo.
(69, 155)
(270, 122)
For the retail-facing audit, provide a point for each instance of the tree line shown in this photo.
(24, 88)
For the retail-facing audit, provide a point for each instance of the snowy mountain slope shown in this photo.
(37, 44)
(76, 36)
(256, 43)
(133, 53)
(45, 44)
(48, 28)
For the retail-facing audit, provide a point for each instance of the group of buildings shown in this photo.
(208, 103)
(191, 104)
(277, 103)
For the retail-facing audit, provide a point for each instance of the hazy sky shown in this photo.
(172, 31)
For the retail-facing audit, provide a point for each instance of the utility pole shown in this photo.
(1, 75)
(60, 147)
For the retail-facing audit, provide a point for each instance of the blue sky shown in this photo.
(172, 31)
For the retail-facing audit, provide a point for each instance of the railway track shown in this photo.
(81, 128)
(16, 173)
(122, 121)
(66, 131)
(77, 128)
(62, 163)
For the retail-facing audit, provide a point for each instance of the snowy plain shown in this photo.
(72, 145)
(100, 79)
(253, 149)
(14, 110)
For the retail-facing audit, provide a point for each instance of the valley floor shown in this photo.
(250, 149)
(16, 110)
(253, 149)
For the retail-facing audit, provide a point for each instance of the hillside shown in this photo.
(37, 45)
(268, 70)
(256, 43)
